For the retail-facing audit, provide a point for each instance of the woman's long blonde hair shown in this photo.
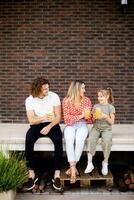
(73, 93)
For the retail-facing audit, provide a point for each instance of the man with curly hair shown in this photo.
(43, 109)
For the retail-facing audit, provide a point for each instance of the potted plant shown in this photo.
(13, 173)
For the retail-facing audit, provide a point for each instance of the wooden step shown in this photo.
(86, 179)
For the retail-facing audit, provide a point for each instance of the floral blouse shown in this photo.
(72, 113)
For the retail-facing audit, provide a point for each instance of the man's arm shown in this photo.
(56, 120)
(33, 119)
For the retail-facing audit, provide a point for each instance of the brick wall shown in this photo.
(91, 40)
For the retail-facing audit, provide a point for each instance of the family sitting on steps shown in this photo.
(43, 109)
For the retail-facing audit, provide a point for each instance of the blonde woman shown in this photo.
(76, 131)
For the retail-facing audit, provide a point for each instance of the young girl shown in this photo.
(75, 107)
(103, 115)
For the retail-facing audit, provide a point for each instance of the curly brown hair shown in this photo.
(37, 85)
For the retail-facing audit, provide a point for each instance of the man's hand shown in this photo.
(50, 116)
(45, 130)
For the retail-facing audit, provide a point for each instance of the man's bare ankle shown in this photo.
(31, 174)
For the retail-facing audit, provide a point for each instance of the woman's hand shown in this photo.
(82, 115)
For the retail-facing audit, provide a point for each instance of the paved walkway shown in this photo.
(95, 193)
(75, 196)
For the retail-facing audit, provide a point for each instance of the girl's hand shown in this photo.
(101, 116)
(97, 117)
(109, 119)
(104, 116)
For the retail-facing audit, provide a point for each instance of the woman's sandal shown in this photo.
(73, 177)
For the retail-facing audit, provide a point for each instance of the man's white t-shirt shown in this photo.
(42, 106)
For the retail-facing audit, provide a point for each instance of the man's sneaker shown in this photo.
(30, 184)
(57, 184)
(104, 170)
(89, 168)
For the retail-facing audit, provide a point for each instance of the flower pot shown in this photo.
(10, 195)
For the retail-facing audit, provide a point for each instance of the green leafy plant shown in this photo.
(13, 171)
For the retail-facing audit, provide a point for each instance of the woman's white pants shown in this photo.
(75, 136)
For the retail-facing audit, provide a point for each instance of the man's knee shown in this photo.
(29, 137)
(57, 139)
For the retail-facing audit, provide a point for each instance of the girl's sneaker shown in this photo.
(104, 169)
(89, 168)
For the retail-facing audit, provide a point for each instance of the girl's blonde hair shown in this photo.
(73, 93)
(107, 92)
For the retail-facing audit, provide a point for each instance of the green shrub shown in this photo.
(13, 172)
